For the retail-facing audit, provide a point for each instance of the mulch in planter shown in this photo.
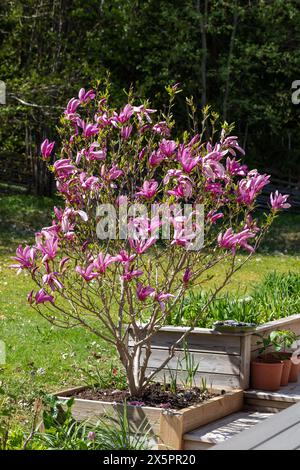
(155, 395)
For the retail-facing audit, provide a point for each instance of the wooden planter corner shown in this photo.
(223, 358)
(174, 425)
(167, 427)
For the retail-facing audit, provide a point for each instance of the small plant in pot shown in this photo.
(283, 340)
(271, 370)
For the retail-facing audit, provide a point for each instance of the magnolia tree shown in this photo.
(145, 218)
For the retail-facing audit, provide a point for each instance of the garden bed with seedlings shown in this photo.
(165, 427)
(156, 395)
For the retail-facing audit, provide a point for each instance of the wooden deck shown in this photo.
(280, 432)
(273, 401)
(223, 429)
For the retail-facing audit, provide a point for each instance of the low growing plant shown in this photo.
(278, 340)
(277, 296)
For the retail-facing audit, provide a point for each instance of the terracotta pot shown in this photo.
(266, 375)
(287, 365)
(294, 368)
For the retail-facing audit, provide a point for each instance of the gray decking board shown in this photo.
(226, 428)
(280, 432)
(288, 393)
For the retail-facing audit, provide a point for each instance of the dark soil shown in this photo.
(154, 396)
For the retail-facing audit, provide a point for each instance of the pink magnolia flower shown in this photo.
(187, 161)
(142, 153)
(123, 257)
(183, 190)
(212, 169)
(64, 168)
(187, 276)
(51, 279)
(231, 143)
(213, 216)
(144, 291)
(161, 128)
(230, 240)
(148, 190)
(30, 297)
(25, 258)
(46, 149)
(94, 154)
(130, 273)
(140, 246)
(278, 201)
(70, 111)
(250, 186)
(102, 262)
(156, 158)
(112, 174)
(88, 129)
(161, 297)
(182, 237)
(62, 264)
(48, 249)
(143, 112)
(214, 188)
(104, 120)
(167, 147)
(125, 114)
(126, 132)
(235, 168)
(174, 173)
(88, 182)
(41, 297)
(88, 274)
(86, 96)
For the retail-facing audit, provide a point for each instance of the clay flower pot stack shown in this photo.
(271, 371)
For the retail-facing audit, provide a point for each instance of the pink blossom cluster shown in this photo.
(108, 154)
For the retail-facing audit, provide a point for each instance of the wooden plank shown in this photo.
(245, 362)
(214, 409)
(192, 445)
(212, 380)
(199, 342)
(288, 393)
(282, 323)
(204, 331)
(289, 439)
(143, 418)
(225, 428)
(173, 425)
(265, 434)
(208, 362)
(259, 404)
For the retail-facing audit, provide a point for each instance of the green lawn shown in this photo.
(42, 357)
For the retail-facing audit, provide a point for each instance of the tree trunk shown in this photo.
(203, 18)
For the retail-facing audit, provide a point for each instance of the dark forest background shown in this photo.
(240, 57)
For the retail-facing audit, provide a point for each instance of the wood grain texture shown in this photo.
(280, 432)
(223, 429)
(212, 379)
(216, 343)
(208, 362)
(174, 425)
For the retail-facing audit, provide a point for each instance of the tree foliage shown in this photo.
(240, 57)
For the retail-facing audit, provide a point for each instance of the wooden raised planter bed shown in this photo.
(165, 427)
(224, 358)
